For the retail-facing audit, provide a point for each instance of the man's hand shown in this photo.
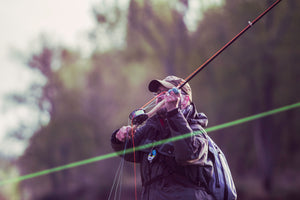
(124, 133)
(172, 100)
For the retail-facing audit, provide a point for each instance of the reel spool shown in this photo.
(138, 116)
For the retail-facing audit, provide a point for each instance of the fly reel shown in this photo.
(138, 116)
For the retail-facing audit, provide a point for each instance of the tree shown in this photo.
(161, 28)
(87, 98)
(250, 73)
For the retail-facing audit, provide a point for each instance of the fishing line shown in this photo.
(117, 182)
(118, 191)
(150, 105)
(138, 119)
(130, 150)
(134, 163)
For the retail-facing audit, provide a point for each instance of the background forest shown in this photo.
(87, 97)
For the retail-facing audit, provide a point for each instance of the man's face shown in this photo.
(161, 92)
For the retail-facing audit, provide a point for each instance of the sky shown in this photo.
(22, 23)
(67, 22)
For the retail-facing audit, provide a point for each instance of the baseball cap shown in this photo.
(170, 82)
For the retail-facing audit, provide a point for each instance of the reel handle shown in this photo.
(139, 116)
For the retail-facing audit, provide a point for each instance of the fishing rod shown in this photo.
(250, 24)
(138, 116)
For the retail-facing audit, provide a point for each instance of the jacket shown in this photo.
(166, 169)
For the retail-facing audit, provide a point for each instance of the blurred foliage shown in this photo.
(8, 169)
(88, 98)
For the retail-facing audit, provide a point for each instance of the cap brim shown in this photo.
(154, 85)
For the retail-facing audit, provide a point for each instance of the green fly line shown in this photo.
(150, 145)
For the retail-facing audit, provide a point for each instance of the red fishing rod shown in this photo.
(250, 24)
(139, 116)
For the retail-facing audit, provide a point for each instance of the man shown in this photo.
(167, 171)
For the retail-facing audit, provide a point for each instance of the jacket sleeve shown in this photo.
(193, 148)
(119, 146)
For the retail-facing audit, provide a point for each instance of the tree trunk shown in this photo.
(264, 133)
